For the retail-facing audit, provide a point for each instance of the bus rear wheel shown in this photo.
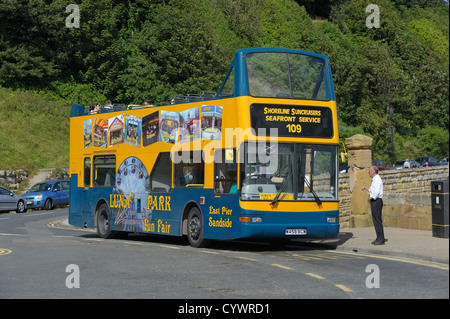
(195, 229)
(104, 222)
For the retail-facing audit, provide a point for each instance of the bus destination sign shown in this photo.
(292, 120)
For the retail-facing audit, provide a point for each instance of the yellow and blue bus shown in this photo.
(258, 159)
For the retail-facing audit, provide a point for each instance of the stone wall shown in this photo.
(11, 179)
(407, 197)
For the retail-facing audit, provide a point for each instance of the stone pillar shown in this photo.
(359, 162)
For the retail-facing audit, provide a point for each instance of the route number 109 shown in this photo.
(294, 128)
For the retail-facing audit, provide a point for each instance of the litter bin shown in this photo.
(439, 208)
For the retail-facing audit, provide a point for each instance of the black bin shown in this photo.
(439, 208)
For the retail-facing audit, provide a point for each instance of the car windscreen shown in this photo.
(41, 187)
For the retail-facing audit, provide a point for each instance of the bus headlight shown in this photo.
(332, 219)
(248, 219)
(256, 219)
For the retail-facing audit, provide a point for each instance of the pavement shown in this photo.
(401, 242)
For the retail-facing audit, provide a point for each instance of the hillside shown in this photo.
(127, 51)
(34, 131)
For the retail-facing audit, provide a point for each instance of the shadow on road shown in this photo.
(242, 245)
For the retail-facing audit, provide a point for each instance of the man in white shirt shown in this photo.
(376, 204)
(406, 164)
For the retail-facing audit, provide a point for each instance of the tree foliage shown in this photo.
(127, 51)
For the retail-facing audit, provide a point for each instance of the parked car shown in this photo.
(381, 165)
(10, 201)
(428, 161)
(47, 195)
(400, 164)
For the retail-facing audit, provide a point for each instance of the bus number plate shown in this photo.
(295, 231)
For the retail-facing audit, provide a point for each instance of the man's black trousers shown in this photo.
(377, 207)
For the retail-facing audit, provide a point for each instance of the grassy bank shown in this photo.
(34, 131)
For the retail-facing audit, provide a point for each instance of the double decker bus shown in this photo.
(259, 159)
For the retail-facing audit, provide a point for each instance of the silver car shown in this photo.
(10, 201)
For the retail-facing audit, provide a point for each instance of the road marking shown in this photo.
(210, 252)
(246, 258)
(35, 214)
(342, 287)
(281, 266)
(314, 275)
(132, 243)
(4, 251)
(5, 234)
(94, 239)
(171, 247)
(57, 224)
(322, 256)
(346, 289)
(397, 259)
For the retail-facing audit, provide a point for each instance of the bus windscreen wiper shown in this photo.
(317, 199)
(275, 200)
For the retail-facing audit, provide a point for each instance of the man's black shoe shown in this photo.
(378, 242)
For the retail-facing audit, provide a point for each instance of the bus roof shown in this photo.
(255, 50)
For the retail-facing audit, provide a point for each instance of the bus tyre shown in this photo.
(104, 222)
(195, 229)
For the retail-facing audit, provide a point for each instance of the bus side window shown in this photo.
(225, 171)
(190, 171)
(105, 170)
(87, 171)
(161, 176)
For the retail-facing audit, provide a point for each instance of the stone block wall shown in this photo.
(408, 196)
(12, 179)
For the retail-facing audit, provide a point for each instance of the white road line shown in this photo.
(5, 234)
(35, 214)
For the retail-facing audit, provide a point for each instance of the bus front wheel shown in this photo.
(104, 222)
(195, 229)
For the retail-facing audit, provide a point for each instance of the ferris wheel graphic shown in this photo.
(132, 181)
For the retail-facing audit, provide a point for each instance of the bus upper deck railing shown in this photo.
(78, 110)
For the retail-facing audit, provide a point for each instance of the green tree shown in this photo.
(30, 47)
(433, 141)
